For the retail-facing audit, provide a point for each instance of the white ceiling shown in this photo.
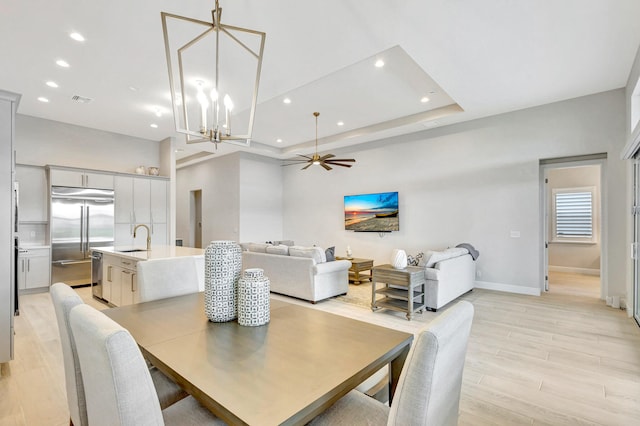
(488, 57)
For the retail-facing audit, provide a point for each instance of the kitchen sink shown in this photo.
(131, 250)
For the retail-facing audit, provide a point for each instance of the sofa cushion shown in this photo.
(258, 247)
(433, 257)
(279, 249)
(315, 253)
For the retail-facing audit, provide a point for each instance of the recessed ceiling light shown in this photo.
(279, 140)
(76, 36)
(340, 123)
(286, 100)
(379, 63)
(43, 99)
(62, 63)
(52, 84)
(424, 99)
(154, 125)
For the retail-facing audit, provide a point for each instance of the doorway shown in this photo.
(572, 212)
(196, 218)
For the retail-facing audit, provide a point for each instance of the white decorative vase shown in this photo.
(399, 259)
(253, 298)
(349, 252)
(222, 267)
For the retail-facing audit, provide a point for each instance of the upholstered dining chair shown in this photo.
(64, 299)
(162, 278)
(428, 391)
(117, 382)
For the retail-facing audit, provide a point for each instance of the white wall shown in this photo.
(471, 182)
(241, 198)
(260, 199)
(218, 179)
(40, 142)
(578, 257)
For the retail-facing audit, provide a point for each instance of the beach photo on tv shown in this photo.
(371, 212)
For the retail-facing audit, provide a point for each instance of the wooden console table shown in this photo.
(403, 289)
(359, 265)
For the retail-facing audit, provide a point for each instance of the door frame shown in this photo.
(567, 162)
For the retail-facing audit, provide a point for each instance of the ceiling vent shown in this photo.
(82, 99)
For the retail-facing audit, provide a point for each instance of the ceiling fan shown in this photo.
(325, 161)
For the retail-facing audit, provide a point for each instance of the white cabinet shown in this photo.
(33, 193)
(120, 283)
(80, 178)
(33, 268)
(141, 200)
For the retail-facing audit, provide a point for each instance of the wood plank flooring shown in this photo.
(558, 359)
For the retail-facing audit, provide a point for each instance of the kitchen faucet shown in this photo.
(148, 234)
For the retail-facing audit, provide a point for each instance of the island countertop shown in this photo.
(156, 252)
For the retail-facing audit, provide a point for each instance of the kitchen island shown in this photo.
(117, 282)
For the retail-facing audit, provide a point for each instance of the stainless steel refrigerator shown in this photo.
(81, 219)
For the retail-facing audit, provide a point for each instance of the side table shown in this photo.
(403, 290)
(359, 265)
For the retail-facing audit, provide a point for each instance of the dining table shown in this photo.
(284, 372)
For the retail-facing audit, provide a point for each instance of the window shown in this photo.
(574, 215)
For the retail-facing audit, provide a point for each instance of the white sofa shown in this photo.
(449, 274)
(301, 277)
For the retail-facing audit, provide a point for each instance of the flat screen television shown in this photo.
(371, 212)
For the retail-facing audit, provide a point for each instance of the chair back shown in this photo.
(162, 278)
(428, 391)
(118, 387)
(64, 299)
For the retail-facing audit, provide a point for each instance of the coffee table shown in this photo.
(285, 372)
(358, 265)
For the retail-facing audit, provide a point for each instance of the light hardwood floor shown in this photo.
(561, 358)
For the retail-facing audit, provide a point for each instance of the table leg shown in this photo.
(395, 368)
(356, 277)
(410, 303)
(373, 295)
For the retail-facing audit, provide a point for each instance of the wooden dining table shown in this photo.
(285, 372)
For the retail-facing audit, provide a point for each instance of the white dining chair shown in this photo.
(64, 299)
(117, 383)
(162, 278)
(428, 391)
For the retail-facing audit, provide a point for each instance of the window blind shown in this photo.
(574, 214)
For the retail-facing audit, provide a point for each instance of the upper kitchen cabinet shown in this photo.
(80, 178)
(141, 200)
(33, 193)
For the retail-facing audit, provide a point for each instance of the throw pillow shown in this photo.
(258, 247)
(280, 249)
(414, 260)
(315, 253)
(434, 257)
(330, 253)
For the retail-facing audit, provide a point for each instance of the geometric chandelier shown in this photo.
(214, 73)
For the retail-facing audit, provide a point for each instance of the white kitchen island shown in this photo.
(119, 269)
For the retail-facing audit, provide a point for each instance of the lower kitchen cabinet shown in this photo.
(33, 268)
(119, 281)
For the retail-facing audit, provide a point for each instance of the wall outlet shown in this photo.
(478, 274)
(515, 234)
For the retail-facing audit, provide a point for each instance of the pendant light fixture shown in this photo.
(214, 73)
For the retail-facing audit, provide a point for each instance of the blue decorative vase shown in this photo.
(222, 268)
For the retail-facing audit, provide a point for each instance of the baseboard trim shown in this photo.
(508, 288)
(583, 271)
